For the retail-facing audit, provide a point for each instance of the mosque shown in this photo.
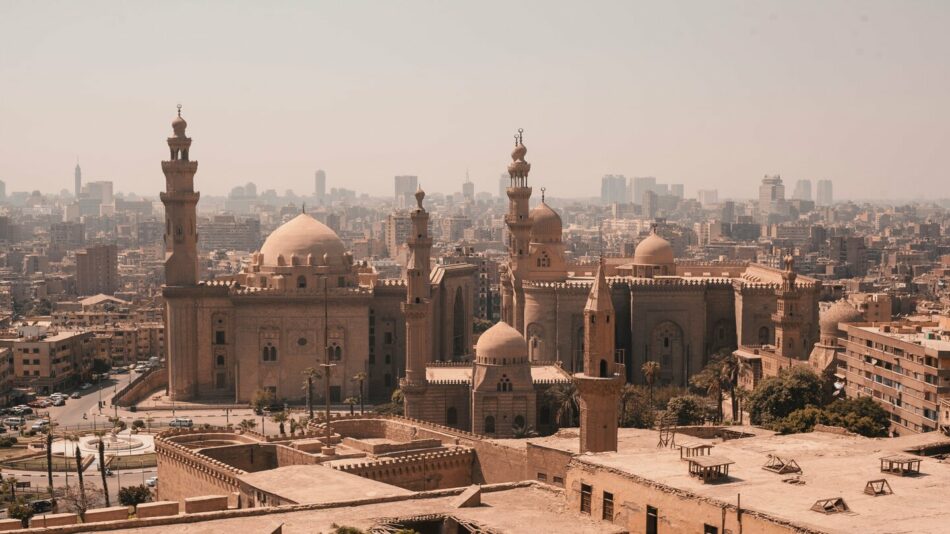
(266, 326)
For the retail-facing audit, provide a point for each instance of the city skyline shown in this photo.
(689, 93)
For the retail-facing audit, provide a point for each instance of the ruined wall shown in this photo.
(419, 472)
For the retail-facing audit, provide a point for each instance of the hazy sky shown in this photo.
(713, 94)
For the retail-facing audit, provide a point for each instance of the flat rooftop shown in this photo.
(832, 465)
(529, 509)
(929, 336)
(318, 484)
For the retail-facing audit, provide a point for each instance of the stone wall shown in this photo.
(189, 473)
(419, 472)
(547, 465)
(140, 388)
(677, 510)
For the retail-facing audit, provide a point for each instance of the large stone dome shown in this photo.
(501, 341)
(546, 224)
(839, 312)
(654, 250)
(302, 237)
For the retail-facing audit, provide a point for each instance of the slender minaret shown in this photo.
(788, 315)
(600, 383)
(78, 175)
(417, 309)
(518, 220)
(180, 199)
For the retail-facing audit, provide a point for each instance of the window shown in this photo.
(651, 520)
(585, 498)
(558, 480)
(301, 282)
(709, 529)
(518, 422)
(763, 335)
(490, 425)
(302, 341)
(269, 352)
(388, 359)
(451, 416)
(608, 514)
(219, 361)
(542, 477)
(388, 338)
(603, 368)
(219, 337)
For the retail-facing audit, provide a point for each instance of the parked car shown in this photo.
(42, 506)
(22, 410)
(152, 482)
(75, 395)
(85, 386)
(14, 422)
(59, 401)
(40, 426)
(181, 422)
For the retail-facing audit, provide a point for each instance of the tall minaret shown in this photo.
(788, 315)
(180, 199)
(418, 311)
(600, 383)
(78, 175)
(519, 227)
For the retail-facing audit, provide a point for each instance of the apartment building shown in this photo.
(904, 366)
(49, 361)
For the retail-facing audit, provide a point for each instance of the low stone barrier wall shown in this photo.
(209, 503)
(10, 524)
(114, 513)
(53, 520)
(156, 509)
(141, 387)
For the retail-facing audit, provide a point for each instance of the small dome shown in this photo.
(839, 312)
(654, 250)
(545, 224)
(501, 341)
(304, 237)
(179, 124)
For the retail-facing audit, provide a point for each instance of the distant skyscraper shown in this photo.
(677, 190)
(728, 211)
(650, 204)
(3, 190)
(613, 188)
(640, 186)
(78, 183)
(708, 197)
(97, 270)
(503, 185)
(468, 189)
(320, 184)
(250, 190)
(802, 190)
(825, 193)
(771, 196)
(405, 189)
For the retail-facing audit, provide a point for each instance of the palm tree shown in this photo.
(710, 380)
(310, 374)
(733, 367)
(351, 401)
(49, 459)
(280, 418)
(628, 392)
(10, 482)
(651, 371)
(102, 466)
(82, 485)
(360, 377)
(564, 400)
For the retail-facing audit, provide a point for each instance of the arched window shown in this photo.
(451, 416)
(518, 422)
(603, 368)
(301, 282)
(490, 425)
(265, 354)
(219, 361)
(666, 342)
(763, 335)
(337, 353)
(273, 354)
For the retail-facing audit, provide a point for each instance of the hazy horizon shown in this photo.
(711, 95)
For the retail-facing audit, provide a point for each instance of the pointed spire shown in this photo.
(599, 298)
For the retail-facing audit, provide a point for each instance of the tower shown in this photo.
(417, 309)
(78, 182)
(518, 221)
(599, 384)
(788, 315)
(180, 199)
(320, 185)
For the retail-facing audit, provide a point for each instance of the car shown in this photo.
(85, 386)
(60, 401)
(40, 425)
(120, 370)
(75, 395)
(42, 506)
(22, 410)
(181, 422)
(14, 422)
(152, 482)
(35, 404)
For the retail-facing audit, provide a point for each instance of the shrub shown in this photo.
(7, 441)
(778, 396)
(138, 424)
(134, 495)
(688, 409)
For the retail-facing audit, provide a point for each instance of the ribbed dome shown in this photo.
(839, 312)
(654, 250)
(303, 236)
(546, 224)
(501, 341)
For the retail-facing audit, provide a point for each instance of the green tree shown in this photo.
(803, 420)
(733, 367)
(862, 416)
(18, 509)
(480, 325)
(636, 410)
(710, 381)
(360, 378)
(688, 409)
(778, 396)
(563, 399)
(247, 424)
(134, 495)
(651, 371)
(262, 399)
(351, 402)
